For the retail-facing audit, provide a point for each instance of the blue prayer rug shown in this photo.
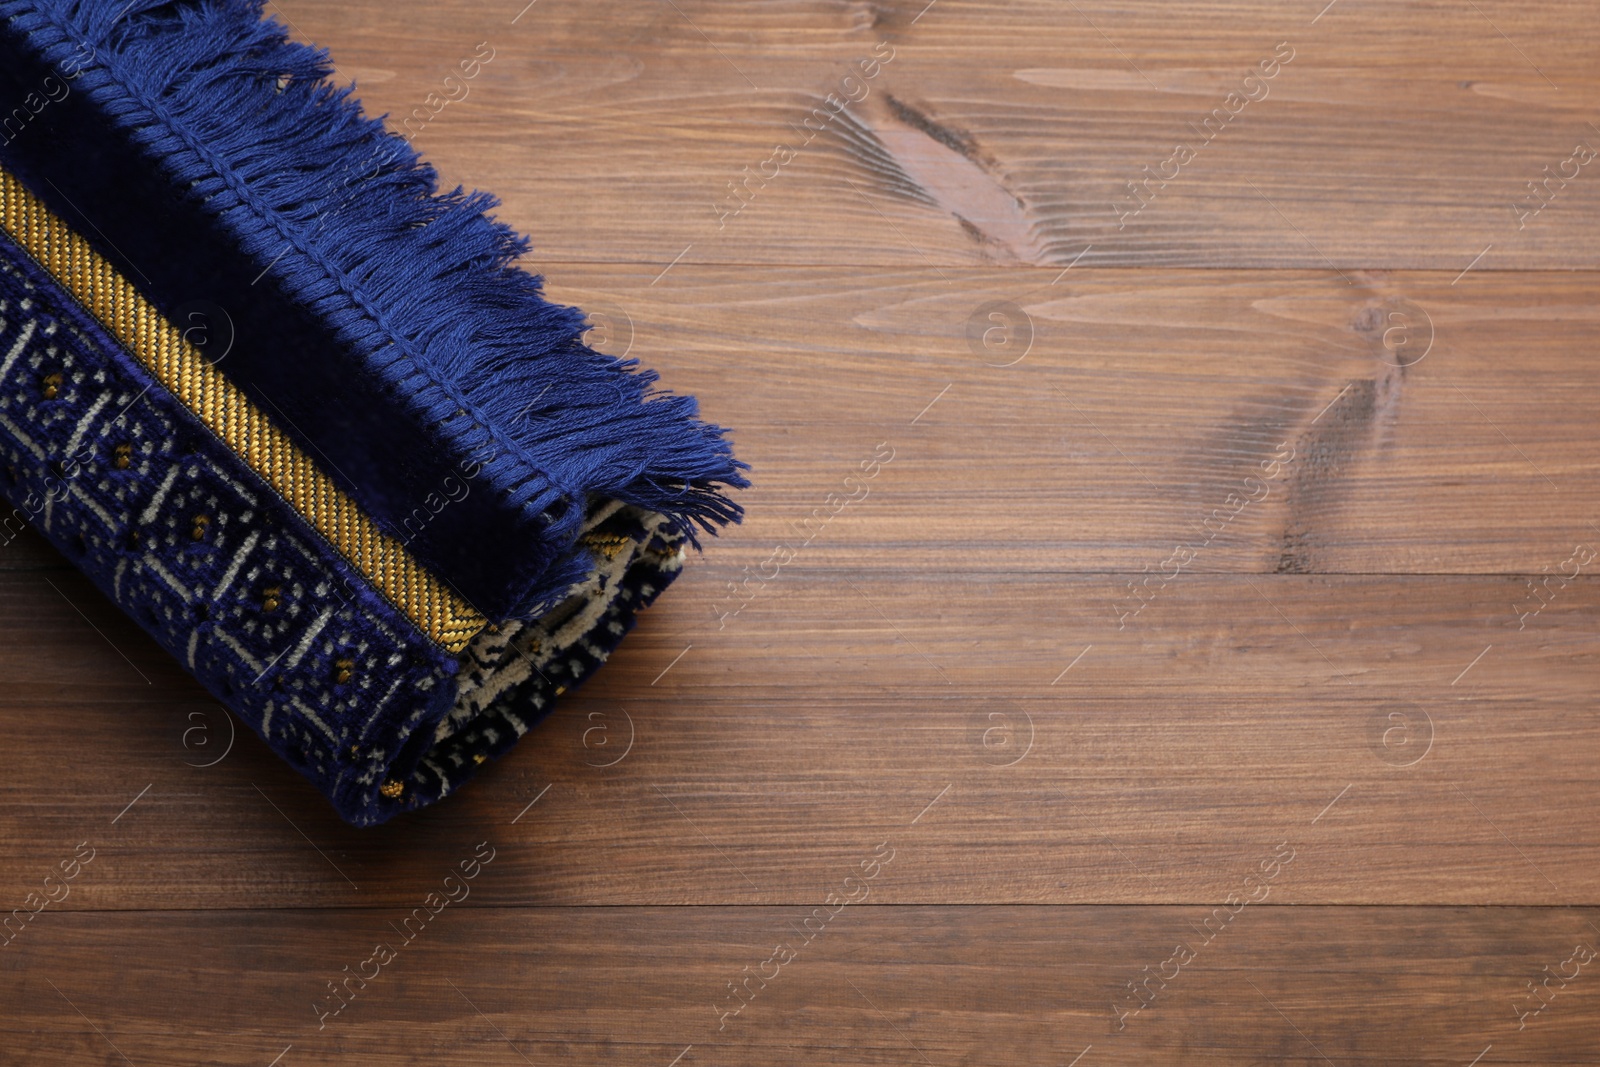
(301, 415)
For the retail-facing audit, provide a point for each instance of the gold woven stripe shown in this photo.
(423, 598)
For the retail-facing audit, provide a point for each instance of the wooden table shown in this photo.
(1163, 631)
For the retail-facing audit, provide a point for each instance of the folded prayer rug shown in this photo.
(301, 415)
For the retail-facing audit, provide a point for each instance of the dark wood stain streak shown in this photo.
(1348, 432)
(937, 166)
(883, 172)
(957, 141)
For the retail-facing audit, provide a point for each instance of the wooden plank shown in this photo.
(613, 130)
(1134, 404)
(1404, 731)
(876, 985)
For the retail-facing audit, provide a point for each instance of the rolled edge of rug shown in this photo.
(384, 325)
(386, 663)
(120, 443)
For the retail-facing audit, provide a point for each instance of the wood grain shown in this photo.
(1134, 403)
(1397, 137)
(876, 985)
(1253, 523)
(1225, 717)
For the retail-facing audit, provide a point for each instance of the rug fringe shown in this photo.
(423, 284)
